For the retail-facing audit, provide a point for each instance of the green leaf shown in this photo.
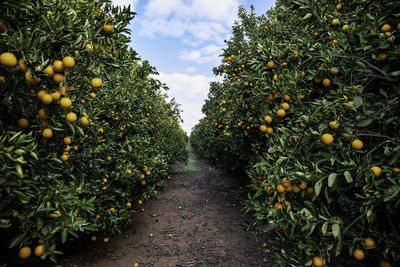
(364, 123)
(16, 240)
(318, 187)
(307, 16)
(331, 179)
(64, 234)
(358, 101)
(336, 230)
(348, 177)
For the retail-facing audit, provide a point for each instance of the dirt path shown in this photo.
(201, 209)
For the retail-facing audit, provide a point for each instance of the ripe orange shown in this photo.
(326, 82)
(382, 56)
(128, 204)
(335, 22)
(303, 185)
(64, 157)
(281, 113)
(275, 77)
(96, 82)
(285, 106)
(71, 117)
(106, 240)
(318, 261)
(42, 114)
(58, 66)
(25, 253)
(46, 99)
(23, 123)
(268, 119)
(345, 27)
(49, 70)
(359, 254)
(310, 190)
(338, 7)
(108, 28)
(357, 144)
(39, 250)
(384, 264)
(47, 133)
(85, 121)
(8, 60)
(263, 128)
(22, 65)
(55, 95)
(279, 206)
(386, 28)
(271, 64)
(65, 102)
(334, 125)
(140, 202)
(327, 139)
(280, 188)
(69, 62)
(369, 242)
(377, 171)
(58, 78)
(94, 238)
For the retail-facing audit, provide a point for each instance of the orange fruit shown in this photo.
(318, 261)
(69, 62)
(71, 117)
(285, 106)
(271, 64)
(335, 22)
(47, 133)
(357, 144)
(39, 250)
(49, 70)
(263, 128)
(327, 139)
(369, 242)
(310, 190)
(359, 254)
(303, 185)
(334, 125)
(67, 140)
(94, 238)
(384, 264)
(23, 123)
(85, 121)
(55, 95)
(65, 102)
(281, 113)
(24, 253)
(96, 82)
(326, 82)
(386, 28)
(58, 66)
(280, 188)
(22, 65)
(58, 78)
(46, 99)
(108, 28)
(377, 171)
(268, 119)
(8, 60)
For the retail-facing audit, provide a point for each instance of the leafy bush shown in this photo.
(82, 139)
(309, 109)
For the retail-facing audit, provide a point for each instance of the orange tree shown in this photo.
(309, 109)
(85, 132)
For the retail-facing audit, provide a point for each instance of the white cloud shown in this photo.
(189, 91)
(191, 69)
(196, 20)
(207, 54)
(123, 3)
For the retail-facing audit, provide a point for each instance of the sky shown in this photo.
(183, 40)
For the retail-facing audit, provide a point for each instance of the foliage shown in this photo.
(314, 68)
(122, 145)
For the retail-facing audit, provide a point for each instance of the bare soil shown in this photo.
(201, 209)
